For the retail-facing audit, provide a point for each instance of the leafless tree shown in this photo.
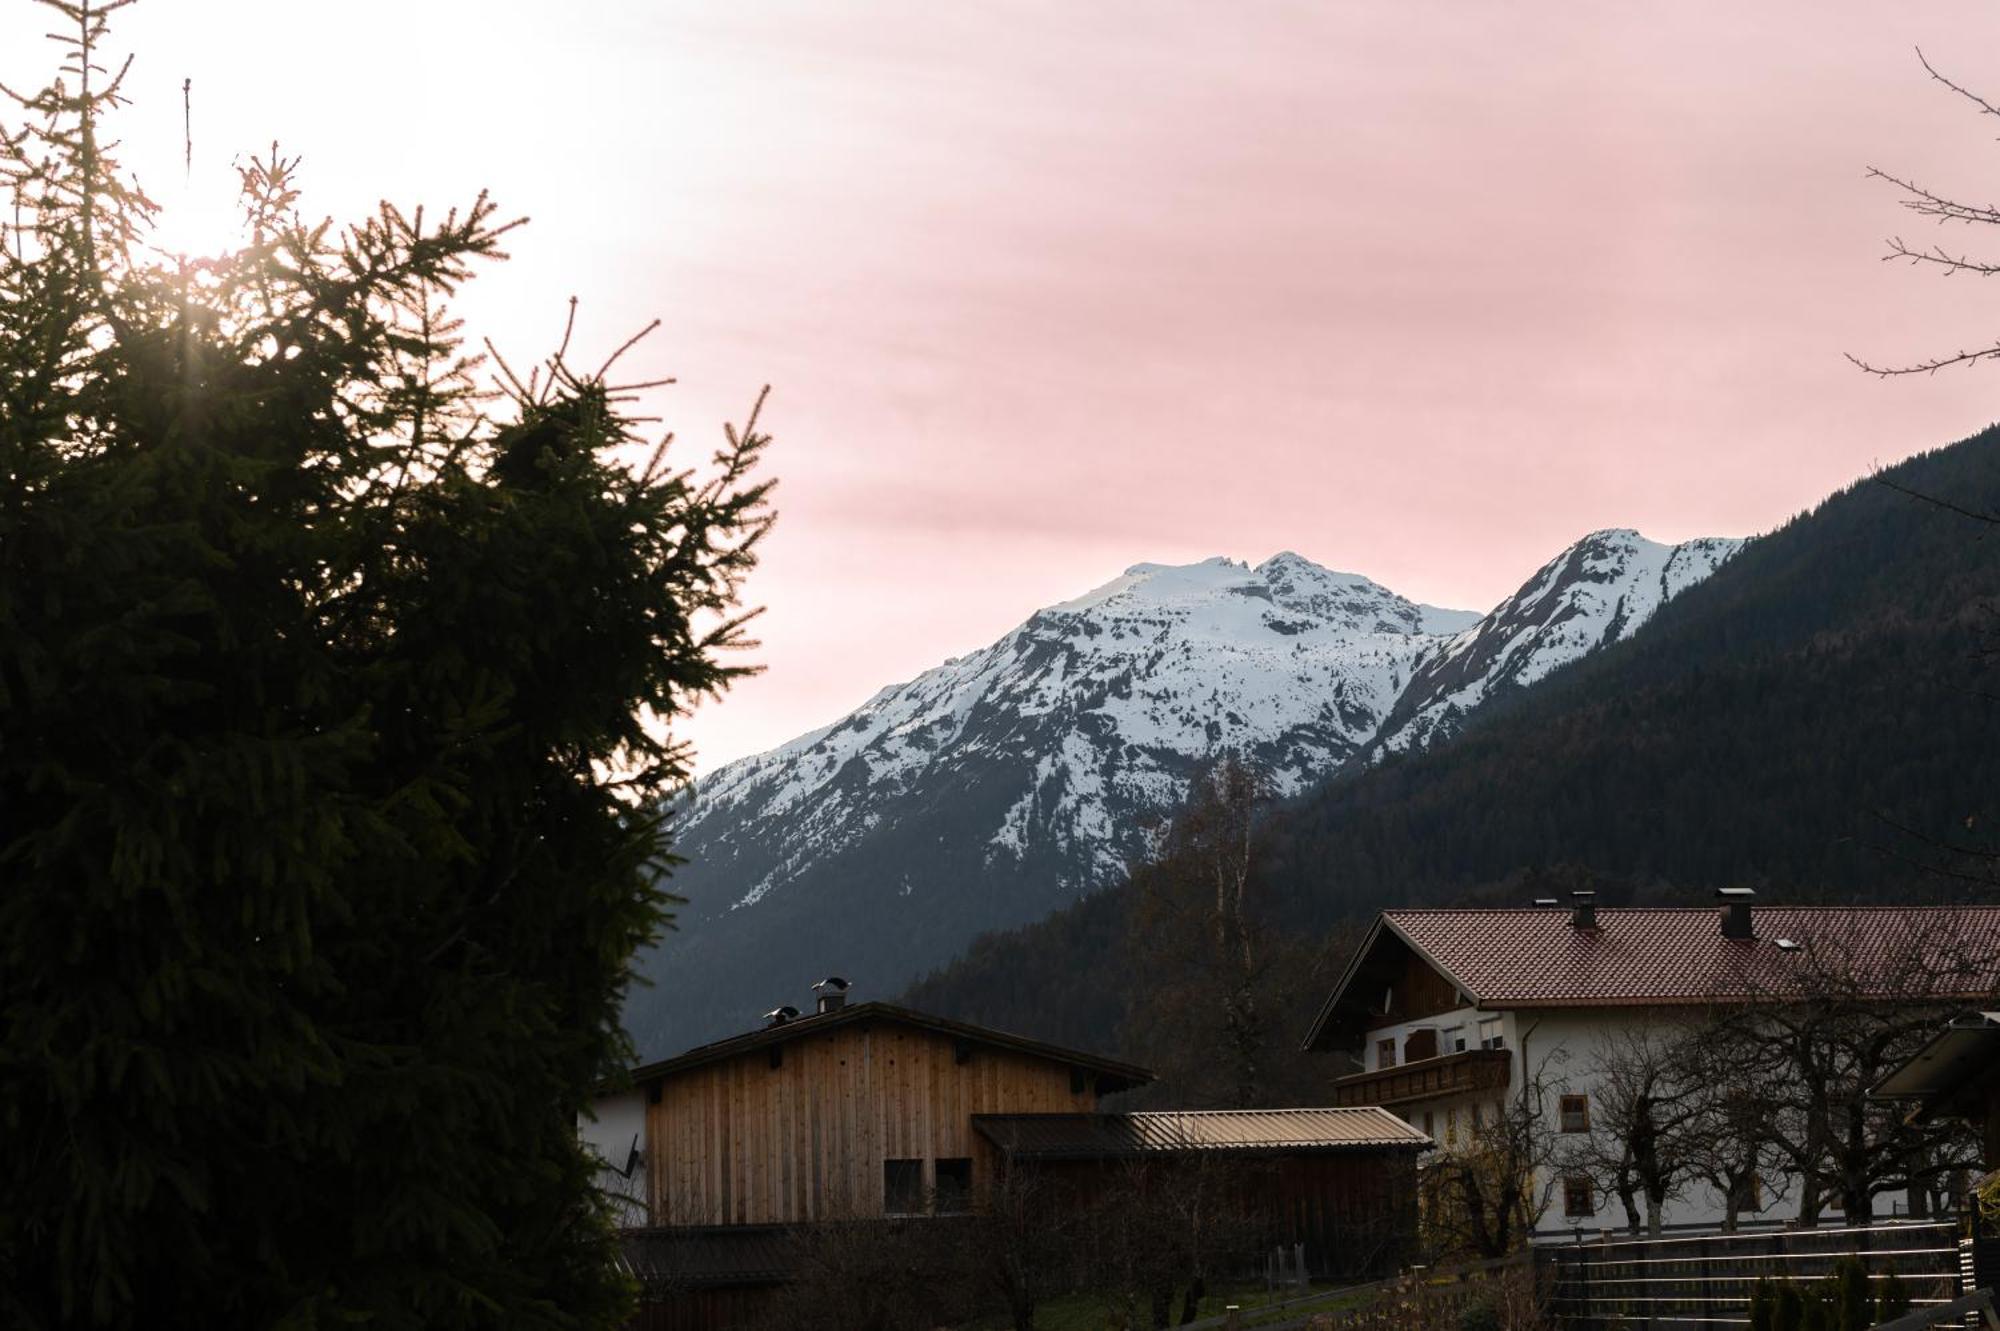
(1937, 256)
(1218, 979)
(1647, 1101)
(1484, 1199)
(1835, 1016)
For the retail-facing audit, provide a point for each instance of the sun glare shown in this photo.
(198, 223)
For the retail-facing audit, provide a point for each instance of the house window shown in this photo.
(1430, 1125)
(1385, 1053)
(1577, 1196)
(1451, 1126)
(1576, 1113)
(902, 1187)
(1489, 1034)
(1454, 1040)
(1478, 1116)
(954, 1186)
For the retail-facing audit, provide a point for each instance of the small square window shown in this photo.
(1489, 1034)
(1576, 1113)
(902, 1187)
(1578, 1197)
(954, 1186)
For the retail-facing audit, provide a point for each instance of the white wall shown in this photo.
(1564, 1049)
(619, 1120)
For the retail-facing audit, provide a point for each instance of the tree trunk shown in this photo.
(1191, 1301)
(1655, 1214)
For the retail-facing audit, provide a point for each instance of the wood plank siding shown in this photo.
(798, 1131)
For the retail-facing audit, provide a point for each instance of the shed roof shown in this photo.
(1964, 1056)
(1662, 956)
(1191, 1132)
(1111, 1074)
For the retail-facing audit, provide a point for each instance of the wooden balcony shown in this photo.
(1426, 1079)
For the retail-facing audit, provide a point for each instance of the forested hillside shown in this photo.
(1818, 719)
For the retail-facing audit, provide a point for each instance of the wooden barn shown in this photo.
(731, 1153)
(1336, 1186)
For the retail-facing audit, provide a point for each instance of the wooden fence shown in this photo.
(1706, 1281)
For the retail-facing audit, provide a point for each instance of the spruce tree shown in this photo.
(333, 695)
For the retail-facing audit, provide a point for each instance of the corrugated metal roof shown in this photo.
(1187, 1132)
(669, 1259)
(1534, 957)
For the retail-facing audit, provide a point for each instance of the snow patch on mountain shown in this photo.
(1597, 592)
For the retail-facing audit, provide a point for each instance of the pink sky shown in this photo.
(1421, 290)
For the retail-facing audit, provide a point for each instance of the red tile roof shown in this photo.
(1647, 956)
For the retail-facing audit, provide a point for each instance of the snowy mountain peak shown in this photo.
(1596, 592)
(997, 786)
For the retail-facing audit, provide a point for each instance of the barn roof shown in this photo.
(1663, 956)
(1196, 1132)
(1111, 1074)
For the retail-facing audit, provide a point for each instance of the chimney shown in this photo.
(778, 1016)
(1736, 922)
(832, 993)
(1546, 902)
(1583, 909)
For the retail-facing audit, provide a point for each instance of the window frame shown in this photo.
(1573, 1184)
(1385, 1054)
(1573, 1112)
(1498, 1038)
(915, 1197)
(957, 1198)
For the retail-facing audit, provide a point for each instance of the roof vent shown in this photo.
(832, 993)
(1787, 945)
(1583, 909)
(1736, 922)
(779, 1016)
(1546, 901)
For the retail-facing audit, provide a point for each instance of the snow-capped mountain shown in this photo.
(1001, 785)
(1597, 592)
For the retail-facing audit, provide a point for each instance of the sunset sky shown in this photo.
(1421, 290)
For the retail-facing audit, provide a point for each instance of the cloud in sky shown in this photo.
(1419, 289)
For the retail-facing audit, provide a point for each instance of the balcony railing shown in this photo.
(1426, 1079)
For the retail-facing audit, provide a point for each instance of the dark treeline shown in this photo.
(1816, 720)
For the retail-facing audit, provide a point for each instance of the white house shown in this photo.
(1455, 1014)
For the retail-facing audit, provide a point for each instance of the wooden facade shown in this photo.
(799, 1130)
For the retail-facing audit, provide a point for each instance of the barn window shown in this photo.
(1385, 1053)
(1489, 1034)
(1576, 1113)
(902, 1187)
(1577, 1196)
(954, 1186)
